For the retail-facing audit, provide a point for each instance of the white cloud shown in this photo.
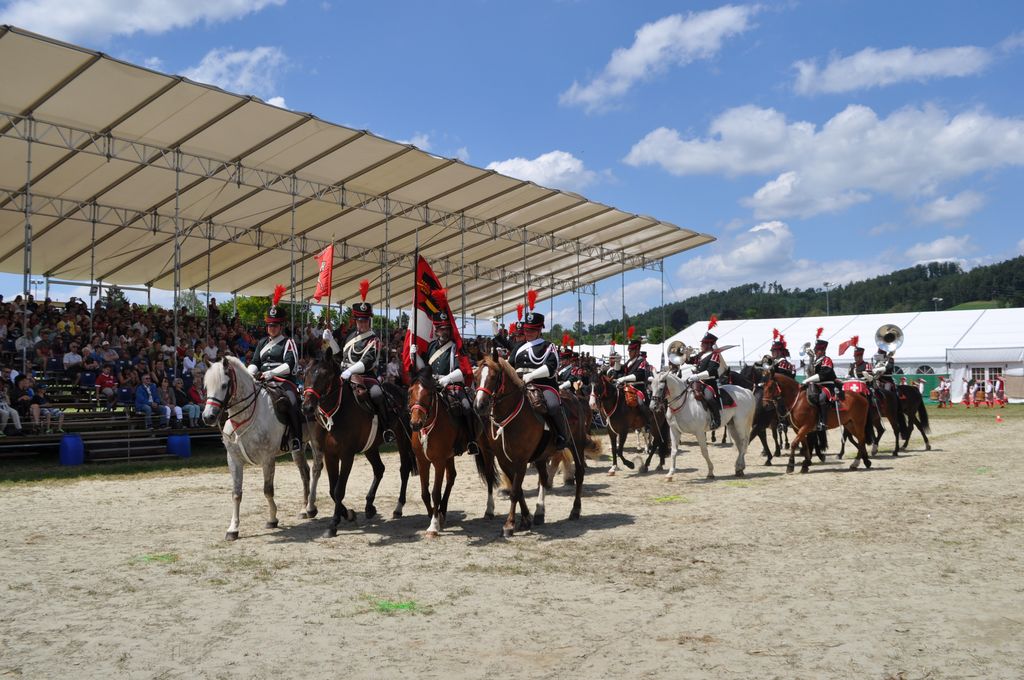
(911, 153)
(278, 102)
(945, 248)
(154, 63)
(767, 252)
(952, 210)
(1011, 43)
(553, 169)
(252, 71)
(878, 68)
(1020, 247)
(102, 19)
(420, 140)
(462, 153)
(675, 40)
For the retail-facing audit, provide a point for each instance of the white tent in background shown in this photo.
(965, 344)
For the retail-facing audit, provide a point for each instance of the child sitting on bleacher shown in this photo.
(47, 412)
(106, 387)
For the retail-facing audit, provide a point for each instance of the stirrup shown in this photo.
(295, 444)
(388, 435)
(473, 448)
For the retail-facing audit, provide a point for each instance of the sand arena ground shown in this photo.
(910, 570)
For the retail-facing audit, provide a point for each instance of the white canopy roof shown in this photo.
(127, 158)
(970, 335)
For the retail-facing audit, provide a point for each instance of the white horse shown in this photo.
(685, 413)
(251, 432)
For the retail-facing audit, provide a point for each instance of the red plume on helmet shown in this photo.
(279, 290)
(775, 334)
(531, 298)
(852, 342)
(630, 331)
(713, 321)
(565, 339)
(817, 335)
(440, 298)
(519, 311)
(782, 339)
(364, 288)
(572, 343)
(512, 328)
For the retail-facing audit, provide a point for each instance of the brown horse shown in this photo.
(620, 417)
(803, 415)
(888, 407)
(515, 433)
(438, 436)
(345, 428)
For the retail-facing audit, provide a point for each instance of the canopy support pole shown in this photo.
(27, 279)
(384, 275)
(92, 268)
(291, 247)
(462, 268)
(209, 242)
(664, 359)
(579, 297)
(302, 294)
(622, 285)
(177, 250)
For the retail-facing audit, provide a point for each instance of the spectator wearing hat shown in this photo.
(108, 354)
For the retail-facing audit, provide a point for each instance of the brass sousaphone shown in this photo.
(889, 337)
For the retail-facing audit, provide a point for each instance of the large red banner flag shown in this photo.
(421, 327)
(323, 282)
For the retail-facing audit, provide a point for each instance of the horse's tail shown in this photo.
(922, 416)
(485, 471)
(823, 441)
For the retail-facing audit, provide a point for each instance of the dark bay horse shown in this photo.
(852, 417)
(619, 417)
(345, 428)
(438, 436)
(912, 406)
(515, 434)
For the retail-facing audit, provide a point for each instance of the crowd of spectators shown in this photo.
(126, 356)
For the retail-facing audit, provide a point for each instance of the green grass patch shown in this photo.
(977, 415)
(978, 304)
(391, 606)
(671, 499)
(157, 558)
(983, 471)
(737, 483)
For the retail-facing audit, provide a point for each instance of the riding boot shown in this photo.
(652, 427)
(715, 408)
(823, 416)
(382, 415)
(561, 434)
(296, 424)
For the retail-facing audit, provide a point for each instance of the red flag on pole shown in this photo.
(425, 307)
(323, 282)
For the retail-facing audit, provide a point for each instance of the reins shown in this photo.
(324, 416)
(225, 405)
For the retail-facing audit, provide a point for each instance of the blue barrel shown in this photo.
(72, 451)
(179, 445)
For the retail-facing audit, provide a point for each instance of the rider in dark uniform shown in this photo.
(450, 367)
(359, 355)
(536, 360)
(708, 363)
(780, 358)
(884, 368)
(821, 376)
(634, 372)
(274, 361)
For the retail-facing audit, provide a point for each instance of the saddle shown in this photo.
(723, 395)
(278, 391)
(535, 395)
(633, 396)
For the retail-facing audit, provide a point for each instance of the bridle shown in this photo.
(605, 383)
(432, 406)
(497, 395)
(781, 412)
(223, 404)
(325, 416)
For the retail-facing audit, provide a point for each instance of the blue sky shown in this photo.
(818, 141)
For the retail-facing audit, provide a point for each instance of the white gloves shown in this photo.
(528, 378)
(625, 379)
(619, 381)
(444, 381)
(327, 335)
(692, 378)
(453, 377)
(567, 385)
(252, 369)
(703, 375)
(542, 372)
(346, 374)
(812, 379)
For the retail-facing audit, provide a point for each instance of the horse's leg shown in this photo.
(725, 436)
(842, 446)
(797, 439)
(435, 499)
(713, 436)
(673, 436)
(405, 467)
(450, 474)
(235, 468)
(702, 439)
(377, 465)
(741, 447)
(615, 453)
(543, 482)
(516, 490)
(622, 448)
(525, 519)
(268, 492)
(314, 479)
(424, 465)
(578, 473)
(299, 458)
(339, 496)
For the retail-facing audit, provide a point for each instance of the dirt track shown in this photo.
(911, 570)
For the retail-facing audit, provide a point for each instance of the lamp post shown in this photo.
(35, 287)
(827, 285)
(936, 300)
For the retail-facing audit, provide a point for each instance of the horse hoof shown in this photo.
(643, 468)
(668, 478)
(867, 464)
(628, 464)
(331, 532)
(821, 457)
(371, 512)
(431, 533)
(740, 473)
(308, 514)
(927, 447)
(710, 476)
(350, 515)
(231, 536)
(611, 472)
(488, 515)
(270, 525)
(804, 469)
(538, 518)
(768, 462)
(790, 468)
(507, 532)
(396, 514)
(854, 466)
(839, 456)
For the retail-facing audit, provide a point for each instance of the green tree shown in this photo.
(189, 301)
(114, 297)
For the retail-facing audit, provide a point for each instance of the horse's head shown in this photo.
(322, 379)
(772, 389)
(495, 379)
(220, 383)
(422, 398)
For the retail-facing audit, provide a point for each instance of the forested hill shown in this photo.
(905, 290)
